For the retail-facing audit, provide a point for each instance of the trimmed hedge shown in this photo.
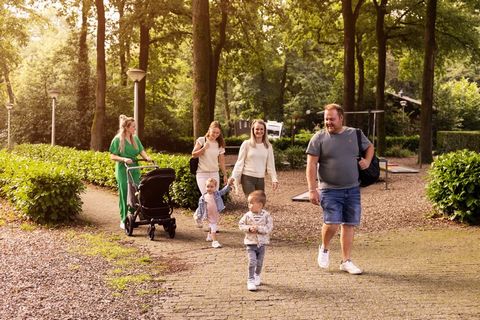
(454, 185)
(97, 168)
(448, 141)
(41, 191)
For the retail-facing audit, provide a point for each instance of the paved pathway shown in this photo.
(424, 276)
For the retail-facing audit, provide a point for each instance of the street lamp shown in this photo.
(53, 93)
(136, 75)
(9, 107)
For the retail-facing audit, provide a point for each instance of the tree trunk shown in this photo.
(360, 105)
(142, 64)
(6, 76)
(381, 71)
(122, 43)
(349, 20)
(201, 66)
(98, 126)
(425, 154)
(283, 82)
(228, 112)
(83, 84)
(216, 58)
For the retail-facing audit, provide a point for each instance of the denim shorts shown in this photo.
(341, 206)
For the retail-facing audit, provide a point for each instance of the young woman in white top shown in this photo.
(210, 150)
(255, 158)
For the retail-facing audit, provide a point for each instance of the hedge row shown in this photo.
(97, 168)
(41, 191)
(457, 140)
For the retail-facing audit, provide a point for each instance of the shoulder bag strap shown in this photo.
(359, 142)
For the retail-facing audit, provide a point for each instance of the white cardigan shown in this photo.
(254, 162)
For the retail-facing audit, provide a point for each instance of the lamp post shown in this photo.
(9, 107)
(136, 75)
(53, 93)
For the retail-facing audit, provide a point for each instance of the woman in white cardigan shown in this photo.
(255, 158)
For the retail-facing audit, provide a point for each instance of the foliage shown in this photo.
(97, 168)
(403, 142)
(295, 155)
(454, 186)
(457, 140)
(457, 105)
(41, 191)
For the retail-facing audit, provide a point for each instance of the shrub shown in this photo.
(457, 140)
(398, 151)
(97, 168)
(43, 192)
(296, 156)
(454, 185)
(403, 142)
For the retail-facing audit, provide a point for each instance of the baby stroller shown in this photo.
(151, 200)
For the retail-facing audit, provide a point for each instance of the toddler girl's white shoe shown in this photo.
(251, 285)
(216, 244)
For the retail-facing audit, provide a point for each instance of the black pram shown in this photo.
(151, 200)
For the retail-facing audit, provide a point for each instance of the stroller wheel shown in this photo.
(151, 232)
(171, 230)
(129, 224)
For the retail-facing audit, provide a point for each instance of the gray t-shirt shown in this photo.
(338, 157)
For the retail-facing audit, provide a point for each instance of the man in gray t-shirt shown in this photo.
(334, 152)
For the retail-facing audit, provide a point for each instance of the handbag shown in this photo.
(371, 174)
(194, 164)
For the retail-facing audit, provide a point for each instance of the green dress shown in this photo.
(121, 172)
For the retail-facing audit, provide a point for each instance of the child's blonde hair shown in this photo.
(258, 196)
(212, 180)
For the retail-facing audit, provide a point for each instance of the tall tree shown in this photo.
(217, 50)
(425, 154)
(350, 15)
(201, 66)
(381, 11)
(98, 126)
(83, 84)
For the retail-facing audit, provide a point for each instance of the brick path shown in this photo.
(408, 275)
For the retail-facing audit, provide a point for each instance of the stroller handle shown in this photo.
(129, 167)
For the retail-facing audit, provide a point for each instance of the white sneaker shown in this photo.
(349, 267)
(323, 258)
(122, 225)
(209, 237)
(257, 280)
(251, 285)
(216, 244)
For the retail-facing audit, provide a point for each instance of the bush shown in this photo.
(454, 185)
(97, 168)
(403, 142)
(457, 140)
(296, 156)
(43, 192)
(398, 151)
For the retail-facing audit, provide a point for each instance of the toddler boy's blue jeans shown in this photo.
(255, 260)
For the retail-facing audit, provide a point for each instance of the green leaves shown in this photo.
(97, 168)
(454, 185)
(42, 191)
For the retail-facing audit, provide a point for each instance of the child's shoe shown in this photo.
(251, 285)
(257, 279)
(122, 225)
(216, 244)
(209, 237)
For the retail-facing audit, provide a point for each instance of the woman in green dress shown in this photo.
(124, 149)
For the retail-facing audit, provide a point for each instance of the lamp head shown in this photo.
(136, 74)
(53, 93)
